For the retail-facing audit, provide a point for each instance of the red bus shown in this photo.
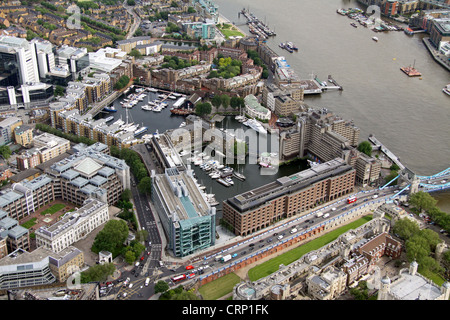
(178, 278)
(351, 199)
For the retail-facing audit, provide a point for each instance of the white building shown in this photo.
(25, 53)
(254, 109)
(73, 226)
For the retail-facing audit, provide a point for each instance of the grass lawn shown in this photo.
(272, 265)
(219, 287)
(29, 223)
(229, 31)
(53, 209)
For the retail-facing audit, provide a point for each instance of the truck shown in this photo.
(147, 281)
(326, 215)
(226, 258)
(319, 214)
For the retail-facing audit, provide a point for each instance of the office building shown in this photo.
(23, 269)
(185, 214)
(18, 62)
(13, 236)
(73, 226)
(88, 173)
(288, 196)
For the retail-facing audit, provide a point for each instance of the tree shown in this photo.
(203, 108)
(365, 147)
(161, 286)
(5, 152)
(59, 91)
(405, 228)
(216, 101)
(111, 237)
(145, 185)
(225, 100)
(126, 195)
(391, 176)
(99, 272)
(422, 201)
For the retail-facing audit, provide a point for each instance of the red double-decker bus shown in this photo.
(178, 278)
(351, 199)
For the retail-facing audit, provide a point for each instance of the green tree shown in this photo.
(98, 272)
(391, 176)
(225, 100)
(145, 185)
(111, 237)
(59, 91)
(202, 109)
(126, 195)
(129, 256)
(161, 286)
(405, 228)
(422, 201)
(216, 101)
(365, 147)
(5, 152)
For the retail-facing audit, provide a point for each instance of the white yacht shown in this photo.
(255, 125)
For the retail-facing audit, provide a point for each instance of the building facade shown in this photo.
(288, 196)
(185, 214)
(73, 227)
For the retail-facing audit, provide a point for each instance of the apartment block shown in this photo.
(288, 196)
(7, 127)
(23, 135)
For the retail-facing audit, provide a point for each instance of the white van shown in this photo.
(147, 281)
(319, 214)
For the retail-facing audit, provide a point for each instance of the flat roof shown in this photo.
(288, 184)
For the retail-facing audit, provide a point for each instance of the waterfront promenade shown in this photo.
(439, 57)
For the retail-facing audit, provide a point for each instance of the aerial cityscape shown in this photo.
(224, 150)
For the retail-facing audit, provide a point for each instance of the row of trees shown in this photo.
(421, 244)
(258, 61)
(68, 136)
(177, 63)
(137, 167)
(225, 101)
(423, 201)
(226, 68)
